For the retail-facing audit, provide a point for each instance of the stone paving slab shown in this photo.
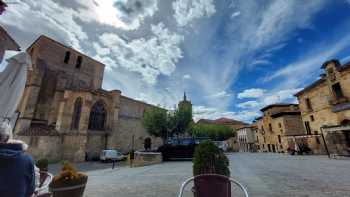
(264, 174)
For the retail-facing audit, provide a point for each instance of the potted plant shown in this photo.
(69, 182)
(210, 159)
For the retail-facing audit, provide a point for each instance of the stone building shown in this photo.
(325, 108)
(65, 113)
(246, 139)
(6, 43)
(232, 142)
(278, 123)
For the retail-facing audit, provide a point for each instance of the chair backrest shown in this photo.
(209, 185)
(45, 180)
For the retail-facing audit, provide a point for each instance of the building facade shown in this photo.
(246, 139)
(325, 108)
(274, 129)
(65, 113)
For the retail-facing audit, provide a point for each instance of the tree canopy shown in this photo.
(158, 122)
(212, 131)
(155, 121)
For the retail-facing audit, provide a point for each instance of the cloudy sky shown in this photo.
(232, 57)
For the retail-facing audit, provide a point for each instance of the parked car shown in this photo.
(109, 155)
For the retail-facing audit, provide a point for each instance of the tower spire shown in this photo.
(185, 96)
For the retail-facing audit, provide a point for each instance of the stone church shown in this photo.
(66, 115)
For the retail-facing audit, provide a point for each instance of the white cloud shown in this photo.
(248, 104)
(187, 11)
(251, 93)
(200, 112)
(220, 94)
(187, 76)
(235, 14)
(310, 62)
(149, 57)
(155, 50)
(281, 96)
(54, 21)
(133, 12)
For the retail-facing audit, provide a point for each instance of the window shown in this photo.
(338, 93)
(279, 125)
(67, 57)
(312, 118)
(257, 139)
(279, 139)
(308, 104)
(79, 61)
(98, 116)
(76, 113)
(307, 127)
(270, 127)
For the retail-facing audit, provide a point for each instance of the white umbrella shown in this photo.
(12, 84)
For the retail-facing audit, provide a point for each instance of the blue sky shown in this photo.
(232, 57)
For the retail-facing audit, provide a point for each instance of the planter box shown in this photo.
(146, 158)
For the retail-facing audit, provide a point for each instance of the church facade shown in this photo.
(66, 115)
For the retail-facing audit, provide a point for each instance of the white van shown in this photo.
(109, 155)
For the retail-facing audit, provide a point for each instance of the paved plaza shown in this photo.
(264, 175)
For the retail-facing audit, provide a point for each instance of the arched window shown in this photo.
(98, 116)
(76, 113)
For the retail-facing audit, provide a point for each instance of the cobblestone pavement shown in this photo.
(264, 175)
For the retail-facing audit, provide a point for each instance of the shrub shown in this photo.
(68, 176)
(42, 164)
(209, 159)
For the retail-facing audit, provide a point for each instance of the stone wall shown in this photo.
(281, 127)
(49, 147)
(88, 76)
(323, 102)
(130, 124)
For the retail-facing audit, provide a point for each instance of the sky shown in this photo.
(232, 57)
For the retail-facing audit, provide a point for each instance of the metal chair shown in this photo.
(45, 180)
(209, 185)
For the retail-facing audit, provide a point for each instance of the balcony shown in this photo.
(340, 106)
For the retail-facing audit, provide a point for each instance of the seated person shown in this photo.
(17, 175)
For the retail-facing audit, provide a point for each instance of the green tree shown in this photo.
(181, 119)
(212, 131)
(155, 121)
